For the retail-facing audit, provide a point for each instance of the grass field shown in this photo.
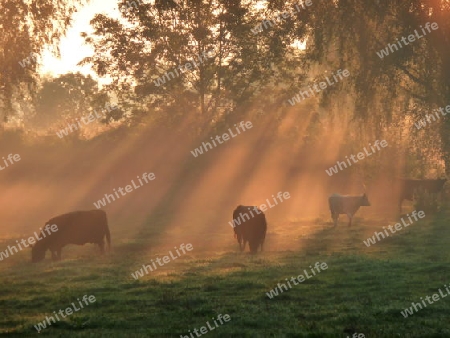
(363, 290)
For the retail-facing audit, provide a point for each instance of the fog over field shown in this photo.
(201, 162)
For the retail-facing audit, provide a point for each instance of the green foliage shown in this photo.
(27, 27)
(162, 38)
(65, 97)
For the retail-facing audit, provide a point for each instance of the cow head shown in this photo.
(37, 253)
(365, 201)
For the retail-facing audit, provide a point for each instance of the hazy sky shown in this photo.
(72, 48)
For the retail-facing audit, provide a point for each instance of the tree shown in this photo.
(198, 54)
(66, 97)
(69, 98)
(386, 90)
(27, 26)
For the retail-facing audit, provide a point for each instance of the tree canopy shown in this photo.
(27, 27)
(219, 58)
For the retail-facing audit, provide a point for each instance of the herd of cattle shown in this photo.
(81, 227)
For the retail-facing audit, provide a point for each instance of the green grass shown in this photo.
(363, 290)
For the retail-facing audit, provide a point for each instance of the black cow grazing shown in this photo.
(409, 186)
(344, 204)
(249, 226)
(78, 227)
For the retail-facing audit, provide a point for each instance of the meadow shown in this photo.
(63, 61)
(363, 290)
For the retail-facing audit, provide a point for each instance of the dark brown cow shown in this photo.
(409, 186)
(349, 205)
(249, 226)
(78, 227)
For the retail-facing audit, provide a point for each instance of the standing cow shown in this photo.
(78, 227)
(410, 186)
(345, 204)
(249, 226)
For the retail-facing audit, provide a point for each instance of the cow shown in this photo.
(345, 204)
(78, 227)
(409, 186)
(249, 226)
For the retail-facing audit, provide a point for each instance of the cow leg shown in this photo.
(335, 218)
(240, 242)
(243, 248)
(56, 255)
(102, 247)
(240, 239)
(350, 217)
(253, 244)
